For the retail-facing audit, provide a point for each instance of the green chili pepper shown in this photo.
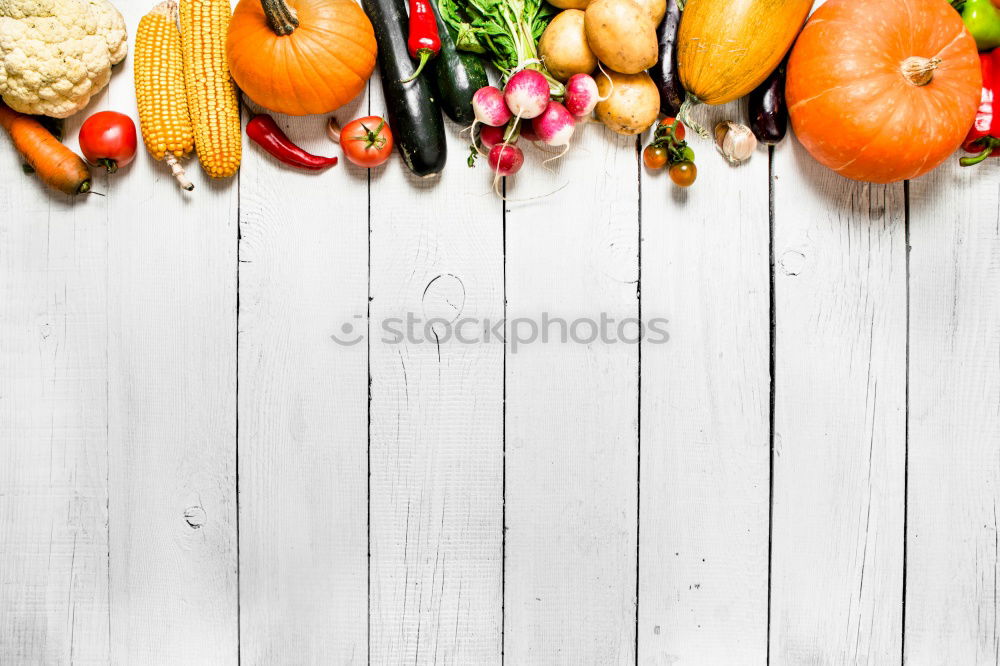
(982, 19)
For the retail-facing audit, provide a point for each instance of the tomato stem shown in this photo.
(108, 163)
(372, 138)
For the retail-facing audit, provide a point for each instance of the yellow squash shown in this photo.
(726, 48)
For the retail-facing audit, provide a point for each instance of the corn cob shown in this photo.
(159, 89)
(211, 94)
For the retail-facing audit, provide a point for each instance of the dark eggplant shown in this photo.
(767, 110)
(457, 75)
(664, 72)
(413, 113)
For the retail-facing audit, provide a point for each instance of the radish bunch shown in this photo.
(525, 109)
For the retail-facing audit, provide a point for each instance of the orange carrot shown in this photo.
(57, 166)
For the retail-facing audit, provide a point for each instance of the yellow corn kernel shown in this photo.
(211, 93)
(159, 88)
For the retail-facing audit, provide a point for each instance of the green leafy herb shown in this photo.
(508, 30)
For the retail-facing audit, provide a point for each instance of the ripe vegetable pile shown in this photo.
(876, 90)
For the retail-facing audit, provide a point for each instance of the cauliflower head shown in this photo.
(56, 54)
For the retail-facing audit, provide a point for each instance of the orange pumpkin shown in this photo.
(300, 57)
(883, 90)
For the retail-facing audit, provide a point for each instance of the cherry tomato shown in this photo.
(367, 141)
(654, 157)
(107, 139)
(678, 130)
(683, 173)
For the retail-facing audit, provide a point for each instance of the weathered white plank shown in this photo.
(703, 533)
(172, 407)
(53, 419)
(839, 433)
(571, 415)
(436, 415)
(303, 426)
(954, 418)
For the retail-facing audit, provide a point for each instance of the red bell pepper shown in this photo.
(984, 137)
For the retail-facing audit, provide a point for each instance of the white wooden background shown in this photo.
(192, 472)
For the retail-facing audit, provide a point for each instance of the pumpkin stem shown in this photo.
(281, 18)
(684, 115)
(919, 71)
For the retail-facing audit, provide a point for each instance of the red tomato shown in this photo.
(678, 129)
(367, 141)
(107, 139)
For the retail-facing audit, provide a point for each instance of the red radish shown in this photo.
(555, 126)
(489, 106)
(527, 94)
(581, 94)
(490, 136)
(506, 159)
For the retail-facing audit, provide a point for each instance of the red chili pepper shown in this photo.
(424, 41)
(266, 133)
(984, 137)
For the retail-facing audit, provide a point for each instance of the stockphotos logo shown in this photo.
(515, 333)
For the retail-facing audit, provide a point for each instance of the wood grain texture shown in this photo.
(172, 408)
(53, 419)
(436, 415)
(571, 417)
(703, 533)
(954, 423)
(839, 432)
(153, 343)
(303, 405)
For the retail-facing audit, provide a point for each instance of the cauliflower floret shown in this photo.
(56, 54)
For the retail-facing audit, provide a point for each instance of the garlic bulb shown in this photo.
(333, 130)
(735, 141)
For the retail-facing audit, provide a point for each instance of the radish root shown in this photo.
(534, 198)
(610, 80)
(506, 139)
(555, 157)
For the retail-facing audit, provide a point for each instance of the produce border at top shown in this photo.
(862, 101)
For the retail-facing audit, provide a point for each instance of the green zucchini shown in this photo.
(412, 112)
(456, 75)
